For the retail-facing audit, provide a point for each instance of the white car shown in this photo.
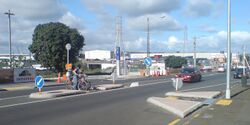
(221, 69)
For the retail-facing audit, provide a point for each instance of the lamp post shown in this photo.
(228, 95)
(68, 47)
(9, 14)
(194, 52)
(148, 46)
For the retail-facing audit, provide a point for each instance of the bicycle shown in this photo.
(82, 83)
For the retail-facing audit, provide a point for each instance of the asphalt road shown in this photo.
(121, 106)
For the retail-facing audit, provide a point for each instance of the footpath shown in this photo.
(235, 111)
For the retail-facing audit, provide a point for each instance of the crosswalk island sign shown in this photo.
(148, 61)
(39, 81)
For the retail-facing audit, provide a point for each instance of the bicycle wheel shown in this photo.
(68, 86)
(88, 85)
(81, 86)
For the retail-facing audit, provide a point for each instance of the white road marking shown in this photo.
(210, 86)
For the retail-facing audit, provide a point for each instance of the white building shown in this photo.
(142, 55)
(98, 54)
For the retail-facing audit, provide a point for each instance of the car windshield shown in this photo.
(187, 70)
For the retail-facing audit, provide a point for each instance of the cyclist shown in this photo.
(75, 71)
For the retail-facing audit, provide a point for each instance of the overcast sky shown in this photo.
(95, 20)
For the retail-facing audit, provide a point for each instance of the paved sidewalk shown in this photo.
(225, 112)
(26, 85)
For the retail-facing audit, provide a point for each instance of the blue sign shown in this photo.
(148, 61)
(117, 53)
(39, 81)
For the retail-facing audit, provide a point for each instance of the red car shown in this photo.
(189, 75)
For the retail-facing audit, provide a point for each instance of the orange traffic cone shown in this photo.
(59, 78)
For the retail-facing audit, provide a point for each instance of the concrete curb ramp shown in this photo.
(108, 86)
(55, 93)
(202, 94)
(179, 107)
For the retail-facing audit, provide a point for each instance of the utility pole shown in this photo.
(194, 52)
(10, 55)
(228, 93)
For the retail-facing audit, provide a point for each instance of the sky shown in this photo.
(96, 21)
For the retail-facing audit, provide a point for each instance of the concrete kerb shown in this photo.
(200, 94)
(55, 93)
(109, 86)
(179, 107)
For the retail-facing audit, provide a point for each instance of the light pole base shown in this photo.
(228, 95)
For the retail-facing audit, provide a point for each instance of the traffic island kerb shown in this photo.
(180, 108)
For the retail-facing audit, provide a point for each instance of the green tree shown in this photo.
(175, 61)
(49, 42)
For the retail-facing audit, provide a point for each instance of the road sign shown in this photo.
(148, 61)
(68, 46)
(39, 81)
(118, 53)
(68, 66)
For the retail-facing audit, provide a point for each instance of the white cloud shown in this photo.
(207, 28)
(142, 7)
(28, 14)
(218, 42)
(70, 20)
(34, 9)
(198, 8)
(156, 22)
(172, 41)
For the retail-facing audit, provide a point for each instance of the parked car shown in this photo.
(189, 75)
(238, 73)
(221, 69)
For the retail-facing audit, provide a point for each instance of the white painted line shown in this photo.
(210, 86)
(64, 97)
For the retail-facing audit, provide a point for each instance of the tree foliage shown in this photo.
(49, 41)
(175, 61)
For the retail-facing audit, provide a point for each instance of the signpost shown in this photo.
(39, 81)
(68, 66)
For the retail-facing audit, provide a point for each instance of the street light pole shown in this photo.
(194, 51)
(9, 14)
(228, 95)
(244, 60)
(148, 46)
